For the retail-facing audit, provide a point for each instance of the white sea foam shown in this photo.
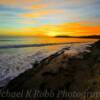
(14, 63)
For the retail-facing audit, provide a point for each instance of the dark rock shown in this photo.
(94, 82)
(49, 73)
(42, 86)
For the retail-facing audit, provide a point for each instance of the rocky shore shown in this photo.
(59, 77)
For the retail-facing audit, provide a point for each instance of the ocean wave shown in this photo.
(33, 45)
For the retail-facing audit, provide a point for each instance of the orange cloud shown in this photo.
(46, 5)
(41, 13)
(16, 3)
(74, 29)
(39, 6)
(81, 28)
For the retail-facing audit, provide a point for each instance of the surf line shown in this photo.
(33, 45)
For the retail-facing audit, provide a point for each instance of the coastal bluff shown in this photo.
(59, 77)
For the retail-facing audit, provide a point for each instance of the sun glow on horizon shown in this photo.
(53, 33)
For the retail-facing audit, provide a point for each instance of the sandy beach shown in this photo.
(60, 76)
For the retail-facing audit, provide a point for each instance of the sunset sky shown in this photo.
(49, 17)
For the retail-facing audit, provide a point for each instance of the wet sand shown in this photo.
(58, 75)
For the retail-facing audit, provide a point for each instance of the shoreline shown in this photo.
(68, 49)
(71, 72)
(35, 45)
(38, 63)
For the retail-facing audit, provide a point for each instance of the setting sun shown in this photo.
(53, 33)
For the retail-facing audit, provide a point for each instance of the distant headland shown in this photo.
(90, 36)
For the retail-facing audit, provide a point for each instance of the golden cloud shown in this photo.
(45, 5)
(41, 13)
(16, 3)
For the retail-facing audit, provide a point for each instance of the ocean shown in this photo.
(17, 54)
